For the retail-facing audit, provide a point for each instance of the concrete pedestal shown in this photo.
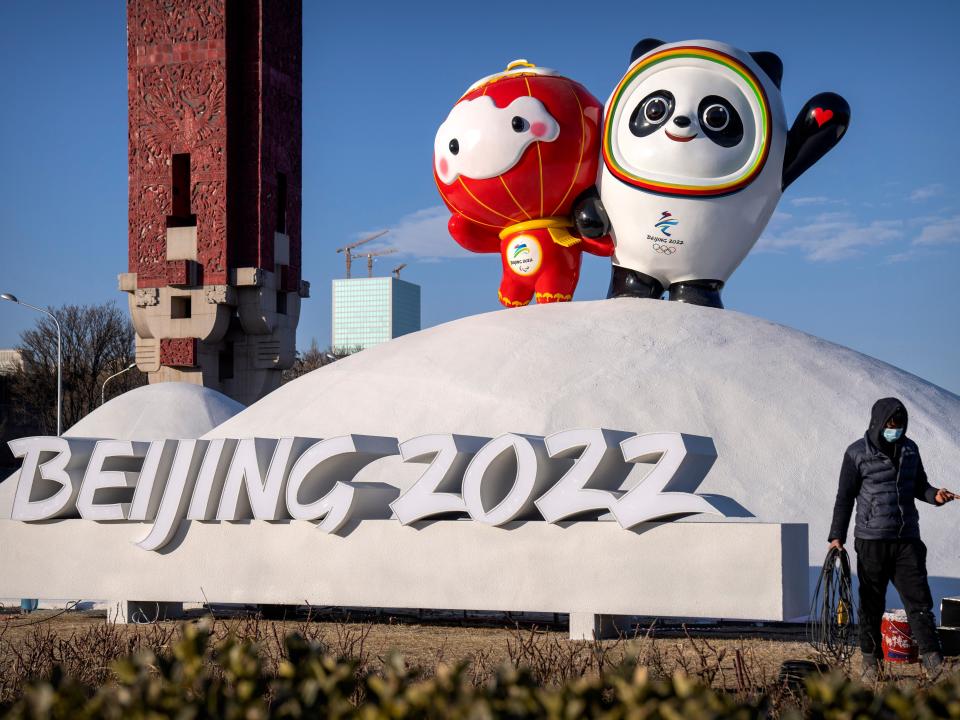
(733, 570)
(589, 626)
(142, 611)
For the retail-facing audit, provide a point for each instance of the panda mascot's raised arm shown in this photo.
(696, 155)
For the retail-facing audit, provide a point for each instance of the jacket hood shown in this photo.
(883, 410)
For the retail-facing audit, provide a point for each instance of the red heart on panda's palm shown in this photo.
(822, 116)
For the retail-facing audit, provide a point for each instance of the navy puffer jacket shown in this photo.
(884, 479)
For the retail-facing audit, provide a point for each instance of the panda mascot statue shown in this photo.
(696, 154)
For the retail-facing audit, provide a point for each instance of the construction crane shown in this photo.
(377, 253)
(397, 269)
(348, 250)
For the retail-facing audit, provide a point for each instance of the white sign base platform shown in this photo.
(750, 571)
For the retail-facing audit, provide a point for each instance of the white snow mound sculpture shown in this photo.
(781, 405)
(154, 412)
(151, 412)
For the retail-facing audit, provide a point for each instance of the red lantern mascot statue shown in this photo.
(510, 160)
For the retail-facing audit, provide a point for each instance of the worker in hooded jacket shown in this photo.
(883, 473)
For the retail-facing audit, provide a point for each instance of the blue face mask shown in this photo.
(891, 435)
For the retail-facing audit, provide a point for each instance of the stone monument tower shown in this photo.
(214, 92)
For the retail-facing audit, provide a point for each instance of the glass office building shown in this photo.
(369, 311)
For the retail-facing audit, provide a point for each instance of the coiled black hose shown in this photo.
(831, 627)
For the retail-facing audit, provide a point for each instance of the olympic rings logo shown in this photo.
(665, 249)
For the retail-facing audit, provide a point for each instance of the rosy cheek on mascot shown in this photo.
(511, 159)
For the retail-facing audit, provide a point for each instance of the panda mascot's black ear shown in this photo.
(771, 64)
(643, 47)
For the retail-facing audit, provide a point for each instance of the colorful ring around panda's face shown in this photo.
(687, 120)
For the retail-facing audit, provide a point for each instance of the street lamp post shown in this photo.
(103, 389)
(30, 604)
(13, 298)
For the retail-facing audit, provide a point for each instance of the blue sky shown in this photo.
(864, 249)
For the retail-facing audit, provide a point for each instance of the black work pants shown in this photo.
(905, 563)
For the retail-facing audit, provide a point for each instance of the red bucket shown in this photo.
(897, 640)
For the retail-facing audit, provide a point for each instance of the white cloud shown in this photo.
(836, 216)
(932, 231)
(422, 234)
(926, 192)
(827, 237)
(900, 257)
(939, 231)
(832, 236)
(814, 200)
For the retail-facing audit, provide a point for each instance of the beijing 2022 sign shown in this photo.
(568, 476)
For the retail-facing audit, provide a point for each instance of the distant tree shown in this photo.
(313, 358)
(98, 341)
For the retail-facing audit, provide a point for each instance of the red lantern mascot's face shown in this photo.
(510, 160)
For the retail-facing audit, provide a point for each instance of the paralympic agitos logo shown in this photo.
(570, 475)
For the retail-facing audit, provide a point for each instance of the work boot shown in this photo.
(871, 669)
(932, 663)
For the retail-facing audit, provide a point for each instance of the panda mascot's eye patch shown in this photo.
(652, 112)
(720, 121)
